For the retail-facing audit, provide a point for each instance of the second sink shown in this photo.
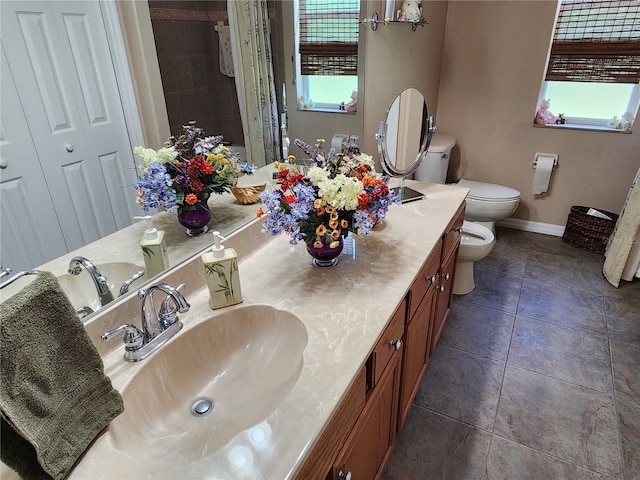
(209, 383)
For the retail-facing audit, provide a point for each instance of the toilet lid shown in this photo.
(440, 143)
(489, 191)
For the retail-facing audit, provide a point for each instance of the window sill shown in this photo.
(326, 110)
(575, 126)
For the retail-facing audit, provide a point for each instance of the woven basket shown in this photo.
(247, 195)
(588, 232)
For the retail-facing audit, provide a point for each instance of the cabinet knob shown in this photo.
(396, 344)
(433, 279)
(441, 288)
(344, 476)
(458, 230)
(69, 147)
(447, 276)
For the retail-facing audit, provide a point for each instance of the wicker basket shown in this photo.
(588, 232)
(247, 195)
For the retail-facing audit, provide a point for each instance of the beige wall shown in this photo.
(397, 58)
(493, 61)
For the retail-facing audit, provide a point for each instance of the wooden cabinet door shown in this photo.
(417, 344)
(444, 297)
(369, 445)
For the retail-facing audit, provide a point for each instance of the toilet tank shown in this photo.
(435, 163)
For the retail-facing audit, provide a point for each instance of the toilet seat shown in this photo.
(489, 192)
(474, 234)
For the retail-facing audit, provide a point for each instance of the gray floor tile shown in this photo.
(462, 386)
(571, 355)
(476, 329)
(509, 460)
(627, 292)
(569, 422)
(626, 368)
(495, 290)
(504, 259)
(623, 320)
(513, 237)
(556, 246)
(564, 272)
(563, 305)
(629, 415)
(432, 446)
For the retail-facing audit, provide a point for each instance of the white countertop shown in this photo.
(344, 309)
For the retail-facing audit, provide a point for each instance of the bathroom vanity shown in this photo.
(371, 323)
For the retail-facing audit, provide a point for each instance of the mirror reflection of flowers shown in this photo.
(186, 170)
(340, 193)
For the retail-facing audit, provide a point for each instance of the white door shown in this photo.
(60, 59)
(31, 234)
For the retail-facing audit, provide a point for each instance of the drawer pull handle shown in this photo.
(344, 476)
(447, 276)
(433, 279)
(458, 230)
(441, 288)
(396, 344)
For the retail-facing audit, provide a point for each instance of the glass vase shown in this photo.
(195, 221)
(326, 256)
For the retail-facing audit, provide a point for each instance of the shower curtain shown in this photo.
(251, 46)
(623, 252)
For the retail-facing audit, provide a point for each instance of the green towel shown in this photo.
(54, 396)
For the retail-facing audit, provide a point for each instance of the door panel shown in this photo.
(67, 86)
(30, 232)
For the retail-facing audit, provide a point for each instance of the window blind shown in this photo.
(596, 41)
(329, 37)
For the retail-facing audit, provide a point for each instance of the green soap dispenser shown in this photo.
(221, 271)
(154, 249)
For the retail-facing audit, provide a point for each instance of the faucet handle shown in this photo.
(172, 305)
(133, 337)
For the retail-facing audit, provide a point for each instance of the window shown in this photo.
(327, 46)
(593, 70)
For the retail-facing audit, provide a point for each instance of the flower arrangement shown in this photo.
(340, 193)
(186, 170)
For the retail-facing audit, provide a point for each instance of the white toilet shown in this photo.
(487, 203)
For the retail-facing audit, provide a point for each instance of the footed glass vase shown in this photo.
(195, 221)
(327, 254)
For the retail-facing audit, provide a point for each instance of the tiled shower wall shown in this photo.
(194, 88)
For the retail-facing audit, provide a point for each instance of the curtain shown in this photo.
(596, 41)
(251, 47)
(624, 238)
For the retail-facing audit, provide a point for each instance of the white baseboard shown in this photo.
(535, 227)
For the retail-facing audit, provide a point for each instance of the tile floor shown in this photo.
(536, 375)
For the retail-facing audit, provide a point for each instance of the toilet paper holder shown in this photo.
(543, 155)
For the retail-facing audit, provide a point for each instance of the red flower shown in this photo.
(363, 201)
(191, 199)
(196, 185)
(290, 198)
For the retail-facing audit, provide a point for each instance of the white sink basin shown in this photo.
(82, 291)
(245, 361)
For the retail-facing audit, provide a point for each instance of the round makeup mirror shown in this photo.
(404, 137)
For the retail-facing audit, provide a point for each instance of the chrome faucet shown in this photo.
(124, 288)
(157, 326)
(99, 280)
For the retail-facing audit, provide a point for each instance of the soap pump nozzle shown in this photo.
(218, 249)
(151, 233)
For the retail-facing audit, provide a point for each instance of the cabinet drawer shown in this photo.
(427, 277)
(453, 233)
(387, 345)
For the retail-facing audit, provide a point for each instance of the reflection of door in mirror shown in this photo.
(69, 161)
(409, 127)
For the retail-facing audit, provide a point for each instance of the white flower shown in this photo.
(317, 175)
(149, 155)
(342, 192)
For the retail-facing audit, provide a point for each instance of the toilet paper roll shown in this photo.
(542, 175)
(389, 9)
(336, 141)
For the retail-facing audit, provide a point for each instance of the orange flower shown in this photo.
(140, 193)
(317, 203)
(331, 208)
(321, 230)
(320, 211)
(317, 244)
(334, 215)
(260, 212)
(335, 234)
(344, 223)
(333, 224)
(191, 199)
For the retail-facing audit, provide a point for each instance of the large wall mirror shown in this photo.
(114, 247)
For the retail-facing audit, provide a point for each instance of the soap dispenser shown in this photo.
(221, 271)
(154, 249)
